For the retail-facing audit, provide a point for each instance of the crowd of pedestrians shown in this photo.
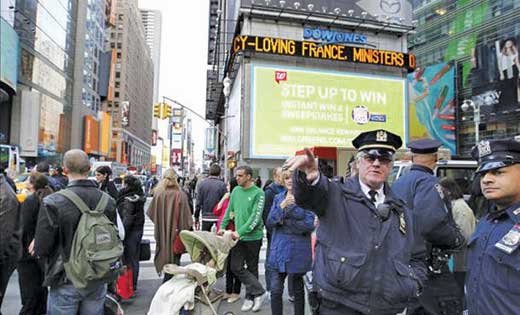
(372, 247)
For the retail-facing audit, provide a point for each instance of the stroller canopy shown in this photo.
(201, 243)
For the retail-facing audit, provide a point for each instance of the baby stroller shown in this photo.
(191, 291)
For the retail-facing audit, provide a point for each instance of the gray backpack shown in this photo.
(95, 255)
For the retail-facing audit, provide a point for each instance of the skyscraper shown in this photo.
(152, 21)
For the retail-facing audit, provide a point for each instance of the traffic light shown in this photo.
(157, 110)
(167, 111)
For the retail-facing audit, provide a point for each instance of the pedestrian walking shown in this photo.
(420, 190)
(275, 188)
(73, 287)
(60, 177)
(9, 236)
(245, 208)
(290, 252)
(465, 220)
(170, 213)
(233, 284)
(209, 193)
(30, 269)
(103, 174)
(366, 259)
(493, 255)
(44, 168)
(130, 206)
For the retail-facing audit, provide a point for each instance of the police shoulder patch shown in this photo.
(439, 190)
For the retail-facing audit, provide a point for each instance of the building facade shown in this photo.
(304, 74)
(131, 104)
(93, 132)
(41, 113)
(479, 39)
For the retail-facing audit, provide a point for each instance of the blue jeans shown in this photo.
(67, 300)
(277, 286)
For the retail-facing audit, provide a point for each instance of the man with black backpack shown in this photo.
(77, 236)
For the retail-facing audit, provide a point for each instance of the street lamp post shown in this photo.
(466, 106)
(226, 90)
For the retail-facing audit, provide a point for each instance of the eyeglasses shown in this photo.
(370, 158)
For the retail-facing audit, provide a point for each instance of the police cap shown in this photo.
(494, 154)
(377, 139)
(424, 146)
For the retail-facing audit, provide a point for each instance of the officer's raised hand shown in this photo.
(306, 163)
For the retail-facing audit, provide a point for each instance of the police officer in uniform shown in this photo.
(365, 260)
(421, 191)
(493, 277)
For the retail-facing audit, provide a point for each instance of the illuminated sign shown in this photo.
(319, 108)
(315, 50)
(334, 37)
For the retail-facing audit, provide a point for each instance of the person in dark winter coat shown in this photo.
(30, 269)
(290, 253)
(103, 174)
(60, 177)
(43, 167)
(130, 206)
(9, 238)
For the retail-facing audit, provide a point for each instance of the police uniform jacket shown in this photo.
(421, 191)
(493, 276)
(363, 262)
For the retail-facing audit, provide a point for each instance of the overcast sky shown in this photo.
(184, 57)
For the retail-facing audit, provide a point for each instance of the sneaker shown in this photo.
(247, 306)
(233, 298)
(258, 302)
(291, 298)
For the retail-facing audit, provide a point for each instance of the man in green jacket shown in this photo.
(246, 206)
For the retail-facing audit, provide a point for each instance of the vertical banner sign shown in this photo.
(432, 104)
(30, 112)
(105, 133)
(176, 156)
(91, 135)
(319, 108)
(125, 113)
(154, 137)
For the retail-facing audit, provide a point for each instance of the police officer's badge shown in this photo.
(381, 136)
(484, 148)
(510, 242)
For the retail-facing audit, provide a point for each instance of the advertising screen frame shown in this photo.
(253, 152)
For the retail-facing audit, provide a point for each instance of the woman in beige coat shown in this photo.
(169, 206)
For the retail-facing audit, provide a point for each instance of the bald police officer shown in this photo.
(493, 277)
(365, 261)
(421, 191)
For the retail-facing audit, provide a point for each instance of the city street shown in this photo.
(148, 284)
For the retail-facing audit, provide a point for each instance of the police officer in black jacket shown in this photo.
(421, 191)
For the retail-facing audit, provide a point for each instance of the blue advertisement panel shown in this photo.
(8, 54)
(431, 107)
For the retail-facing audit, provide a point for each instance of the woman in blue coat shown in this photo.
(290, 252)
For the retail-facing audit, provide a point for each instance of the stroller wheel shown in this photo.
(112, 306)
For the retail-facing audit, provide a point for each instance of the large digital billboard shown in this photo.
(431, 109)
(292, 108)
